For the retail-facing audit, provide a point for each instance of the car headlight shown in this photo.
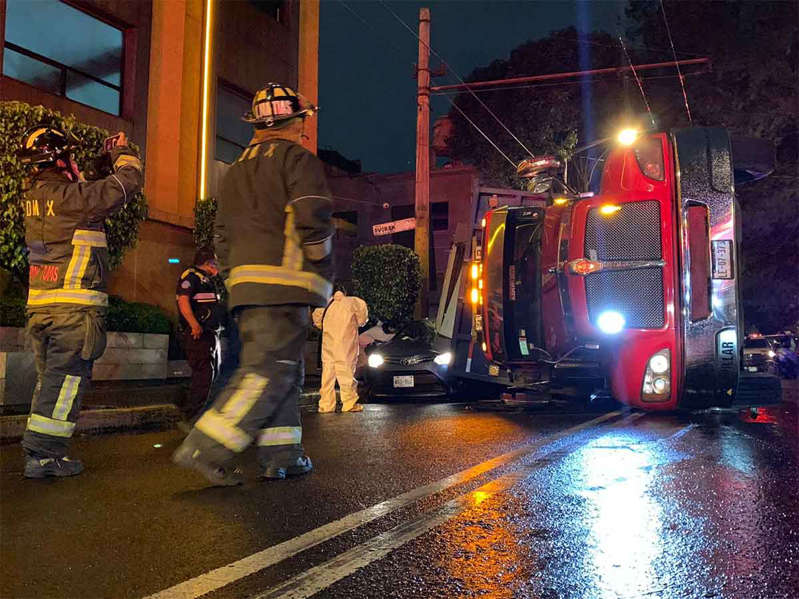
(657, 378)
(375, 360)
(772, 353)
(610, 322)
(444, 359)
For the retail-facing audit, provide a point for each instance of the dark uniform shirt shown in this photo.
(203, 299)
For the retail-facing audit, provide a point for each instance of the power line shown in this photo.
(638, 81)
(441, 58)
(372, 27)
(456, 107)
(679, 72)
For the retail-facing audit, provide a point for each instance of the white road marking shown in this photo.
(225, 575)
(324, 575)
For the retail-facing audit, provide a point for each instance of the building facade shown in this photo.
(175, 75)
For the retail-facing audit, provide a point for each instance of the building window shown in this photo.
(439, 216)
(232, 134)
(64, 51)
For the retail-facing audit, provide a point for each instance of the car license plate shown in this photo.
(722, 259)
(752, 368)
(403, 381)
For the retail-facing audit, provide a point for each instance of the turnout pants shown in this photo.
(65, 345)
(344, 372)
(202, 355)
(260, 403)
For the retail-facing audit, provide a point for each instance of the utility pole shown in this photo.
(422, 191)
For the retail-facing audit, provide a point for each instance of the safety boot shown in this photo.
(47, 467)
(303, 465)
(188, 457)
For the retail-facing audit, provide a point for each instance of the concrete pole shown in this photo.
(422, 190)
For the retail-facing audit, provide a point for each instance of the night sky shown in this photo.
(366, 85)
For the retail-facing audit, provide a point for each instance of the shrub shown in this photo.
(15, 118)
(122, 316)
(388, 278)
(204, 215)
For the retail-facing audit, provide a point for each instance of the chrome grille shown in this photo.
(631, 233)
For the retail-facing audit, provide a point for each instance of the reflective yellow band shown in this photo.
(77, 266)
(278, 275)
(292, 253)
(67, 395)
(247, 393)
(127, 160)
(222, 430)
(92, 238)
(48, 426)
(84, 297)
(280, 435)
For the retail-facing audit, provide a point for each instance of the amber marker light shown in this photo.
(560, 201)
(475, 271)
(608, 209)
(475, 295)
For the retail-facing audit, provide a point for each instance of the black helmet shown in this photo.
(44, 144)
(276, 104)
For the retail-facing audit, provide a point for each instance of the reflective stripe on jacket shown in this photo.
(273, 229)
(65, 233)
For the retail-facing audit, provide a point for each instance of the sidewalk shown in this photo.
(113, 406)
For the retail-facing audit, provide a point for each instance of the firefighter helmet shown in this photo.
(277, 104)
(44, 144)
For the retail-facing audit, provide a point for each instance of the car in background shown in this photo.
(786, 346)
(413, 364)
(759, 355)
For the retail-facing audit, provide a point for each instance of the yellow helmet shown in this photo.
(277, 104)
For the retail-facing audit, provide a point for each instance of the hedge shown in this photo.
(15, 119)
(128, 317)
(388, 277)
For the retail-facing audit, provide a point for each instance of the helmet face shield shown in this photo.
(277, 104)
(43, 144)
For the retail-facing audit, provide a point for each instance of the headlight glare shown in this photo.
(444, 359)
(375, 360)
(610, 322)
(659, 363)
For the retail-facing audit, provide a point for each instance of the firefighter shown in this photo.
(339, 322)
(67, 299)
(199, 328)
(273, 235)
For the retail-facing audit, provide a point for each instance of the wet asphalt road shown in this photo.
(420, 500)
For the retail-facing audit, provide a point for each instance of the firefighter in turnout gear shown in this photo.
(200, 325)
(67, 299)
(273, 239)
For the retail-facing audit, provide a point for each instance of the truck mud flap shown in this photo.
(758, 389)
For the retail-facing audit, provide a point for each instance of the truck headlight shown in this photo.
(657, 378)
(610, 322)
(444, 359)
(772, 353)
(375, 360)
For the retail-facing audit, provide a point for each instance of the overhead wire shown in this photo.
(402, 52)
(458, 77)
(638, 81)
(679, 72)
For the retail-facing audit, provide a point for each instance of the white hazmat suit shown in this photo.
(342, 317)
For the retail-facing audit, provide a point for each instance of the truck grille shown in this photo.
(637, 294)
(631, 234)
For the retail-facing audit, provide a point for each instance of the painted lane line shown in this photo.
(225, 575)
(324, 575)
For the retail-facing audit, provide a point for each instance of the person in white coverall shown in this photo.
(339, 322)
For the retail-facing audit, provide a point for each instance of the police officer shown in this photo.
(67, 300)
(273, 238)
(199, 328)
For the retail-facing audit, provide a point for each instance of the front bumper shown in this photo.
(429, 381)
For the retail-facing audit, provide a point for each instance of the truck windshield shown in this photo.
(523, 327)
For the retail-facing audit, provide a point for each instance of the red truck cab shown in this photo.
(631, 292)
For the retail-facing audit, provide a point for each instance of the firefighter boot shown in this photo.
(303, 465)
(189, 457)
(46, 467)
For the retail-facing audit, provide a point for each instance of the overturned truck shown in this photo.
(630, 292)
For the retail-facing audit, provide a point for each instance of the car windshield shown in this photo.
(756, 343)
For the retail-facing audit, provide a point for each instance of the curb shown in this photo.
(108, 420)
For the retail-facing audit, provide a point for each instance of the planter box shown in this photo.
(128, 356)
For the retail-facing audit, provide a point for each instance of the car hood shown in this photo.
(399, 347)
